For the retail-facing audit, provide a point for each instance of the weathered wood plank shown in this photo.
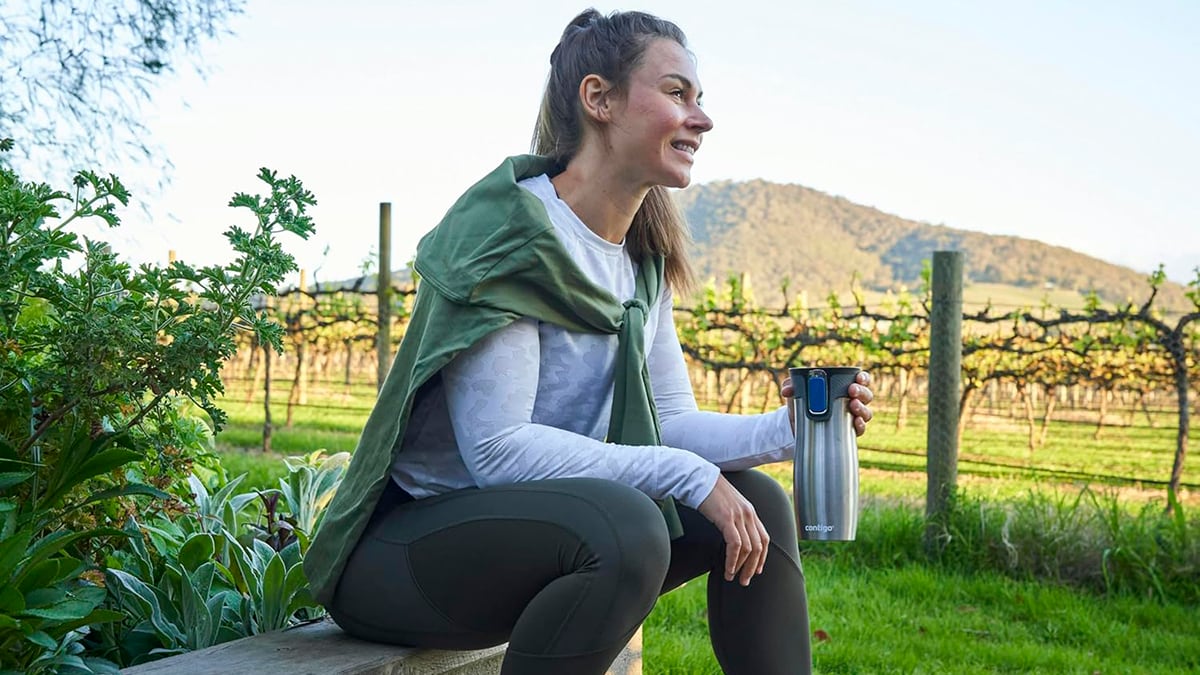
(323, 649)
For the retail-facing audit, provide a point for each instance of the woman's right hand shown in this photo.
(745, 536)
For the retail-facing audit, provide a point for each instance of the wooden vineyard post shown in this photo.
(267, 349)
(945, 384)
(302, 356)
(299, 392)
(383, 338)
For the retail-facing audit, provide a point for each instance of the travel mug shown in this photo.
(825, 489)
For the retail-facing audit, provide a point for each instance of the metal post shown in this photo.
(383, 340)
(945, 386)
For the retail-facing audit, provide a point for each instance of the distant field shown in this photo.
(893, 461)
(975, 296)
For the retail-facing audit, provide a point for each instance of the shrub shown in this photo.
(1085, 539)
(223, 571)
(96, 360)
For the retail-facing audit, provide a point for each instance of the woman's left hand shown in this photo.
(860, 401)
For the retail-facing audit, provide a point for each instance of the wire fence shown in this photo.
(1103, 367)
(969, 464)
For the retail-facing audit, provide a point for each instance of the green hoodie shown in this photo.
(494, 258)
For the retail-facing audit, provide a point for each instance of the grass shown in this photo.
(332, 419)
(336, 415)
(263, 470)
(1138, 451)
(1040, 574)
(922, 619)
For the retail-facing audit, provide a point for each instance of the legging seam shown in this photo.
(578, 599)
(784, 552)
(420, 591)
(716, 610)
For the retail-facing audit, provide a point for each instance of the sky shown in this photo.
(1074, 123)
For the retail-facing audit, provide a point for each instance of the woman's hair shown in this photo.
(612, 47)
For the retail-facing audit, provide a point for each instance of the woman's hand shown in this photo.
(745, 536)
(860, 401)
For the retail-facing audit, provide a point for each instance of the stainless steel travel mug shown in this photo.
(825, 488)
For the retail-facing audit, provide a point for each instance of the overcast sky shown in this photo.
(1074, 123)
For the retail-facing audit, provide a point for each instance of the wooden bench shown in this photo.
(322, 648)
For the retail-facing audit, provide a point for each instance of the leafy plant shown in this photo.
(309, 487)
(178, 610)
(271, 584)
(224, 570)
(46, 606)
(95, 357)
(277, 530)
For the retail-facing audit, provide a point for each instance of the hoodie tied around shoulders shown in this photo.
(493, 258)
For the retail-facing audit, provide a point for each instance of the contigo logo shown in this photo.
(818, 528)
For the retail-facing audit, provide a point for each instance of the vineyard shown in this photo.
(1095, 366)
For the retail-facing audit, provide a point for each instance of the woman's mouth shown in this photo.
(687, 147)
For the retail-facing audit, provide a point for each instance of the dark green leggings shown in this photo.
(565, 571)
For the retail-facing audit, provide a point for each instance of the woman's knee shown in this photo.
(771, 503)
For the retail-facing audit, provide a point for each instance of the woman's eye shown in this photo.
(678, 93)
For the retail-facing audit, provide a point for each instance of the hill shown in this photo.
(821, 242)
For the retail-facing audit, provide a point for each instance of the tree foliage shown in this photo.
(74, 74)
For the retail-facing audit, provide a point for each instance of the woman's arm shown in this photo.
(732, 442)
(490, 394)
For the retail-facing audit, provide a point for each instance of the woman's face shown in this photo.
(656, 126)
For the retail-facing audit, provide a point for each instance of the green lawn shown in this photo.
(919, 619)
(1140, 451)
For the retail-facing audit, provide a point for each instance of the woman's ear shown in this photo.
(595, 95)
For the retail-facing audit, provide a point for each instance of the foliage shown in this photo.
(310, 485)
(47, 605)
(46, 608)
(98, 364)
(1129, 348)
(1084, 538)
(76, 72)
(227, 570)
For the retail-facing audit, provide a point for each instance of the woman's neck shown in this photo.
(598, 195)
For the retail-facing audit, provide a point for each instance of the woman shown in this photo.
(484, 503)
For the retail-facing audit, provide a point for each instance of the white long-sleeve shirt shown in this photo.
(532, 401)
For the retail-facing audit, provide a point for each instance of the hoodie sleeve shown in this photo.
(490, 394)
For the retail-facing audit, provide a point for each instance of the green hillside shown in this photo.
(822, 243)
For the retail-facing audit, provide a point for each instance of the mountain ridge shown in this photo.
(740, 226)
